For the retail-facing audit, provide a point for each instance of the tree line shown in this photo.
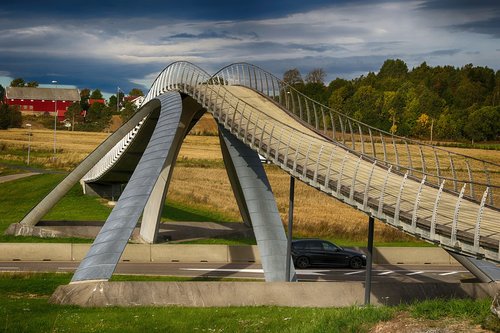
(429, 103)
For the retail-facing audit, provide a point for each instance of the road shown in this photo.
(381, 273)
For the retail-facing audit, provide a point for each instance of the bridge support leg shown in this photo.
(485, 271)
(104, 254)
(151, 218)
(369, 261)
(290, 228)
(258, 203)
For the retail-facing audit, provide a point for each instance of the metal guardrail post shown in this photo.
(369, 260)
(290, 228)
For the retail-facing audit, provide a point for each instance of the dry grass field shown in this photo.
(316, 214)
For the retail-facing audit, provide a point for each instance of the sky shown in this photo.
(109, 44)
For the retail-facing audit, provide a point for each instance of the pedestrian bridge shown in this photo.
(434, 194)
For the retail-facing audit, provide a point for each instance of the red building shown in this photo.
(39, 101)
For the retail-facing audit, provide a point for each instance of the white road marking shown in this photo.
(65, 268)
(7, 268)
(352, 273)
(415, 273)
(386, 273)
(244, 270)
(247, 270)
(448, 273)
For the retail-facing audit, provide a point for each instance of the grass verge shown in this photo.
(24, 307)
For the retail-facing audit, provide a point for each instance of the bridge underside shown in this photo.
(147, 187)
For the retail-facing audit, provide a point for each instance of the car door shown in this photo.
(315, 252)
(333, 255)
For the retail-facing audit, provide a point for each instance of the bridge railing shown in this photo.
(405, 155)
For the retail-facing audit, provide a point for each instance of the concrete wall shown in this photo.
(298, 294)
(203, 253)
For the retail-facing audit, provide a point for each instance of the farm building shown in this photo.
(39, 101)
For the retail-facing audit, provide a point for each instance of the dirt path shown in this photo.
(8, 178)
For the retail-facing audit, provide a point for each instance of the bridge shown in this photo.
(437, 195)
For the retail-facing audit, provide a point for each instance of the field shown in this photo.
(200, 181)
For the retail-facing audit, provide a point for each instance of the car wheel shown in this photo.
(302, 262)
(356, 262)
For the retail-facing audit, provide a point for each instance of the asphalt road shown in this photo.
(381, 273)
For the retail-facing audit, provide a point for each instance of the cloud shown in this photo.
(488, 27)
(128, 45)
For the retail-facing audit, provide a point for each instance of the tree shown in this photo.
(136, 92)
(293, 77)
(84, 98)
(96, 94)
(2, 94)
(317, 75)
(18, 82)
(393, 68)
(10, 116)
(32, 84)
(74, 114)
(483, 124)
(127, 111)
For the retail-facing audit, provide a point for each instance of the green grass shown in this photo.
(24, 307)
(19, 196)
(222, 241)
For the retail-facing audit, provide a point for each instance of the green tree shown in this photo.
(136, 92)
(84, 98)
(339, 97)
(98, 117)
(483, 124)
(96, 94)
(32, 84)
(17, 82)
(365, 105)
(127, 111)
(10, 116)
(2, 93)
(393, 68)
(74, 114)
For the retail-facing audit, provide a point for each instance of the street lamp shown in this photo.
(55, 118)
(29, 141)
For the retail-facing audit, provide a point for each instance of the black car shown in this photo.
(317, 252)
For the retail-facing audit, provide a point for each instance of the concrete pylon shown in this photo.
(104, 254)
(257, 204)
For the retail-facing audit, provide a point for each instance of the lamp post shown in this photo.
(55, 118)
(29, 142)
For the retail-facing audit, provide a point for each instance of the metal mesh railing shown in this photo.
(418, 158)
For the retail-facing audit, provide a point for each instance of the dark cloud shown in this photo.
(459, 5)
(186, 9)
(83, 73)
(211, 35)
(488, 27)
